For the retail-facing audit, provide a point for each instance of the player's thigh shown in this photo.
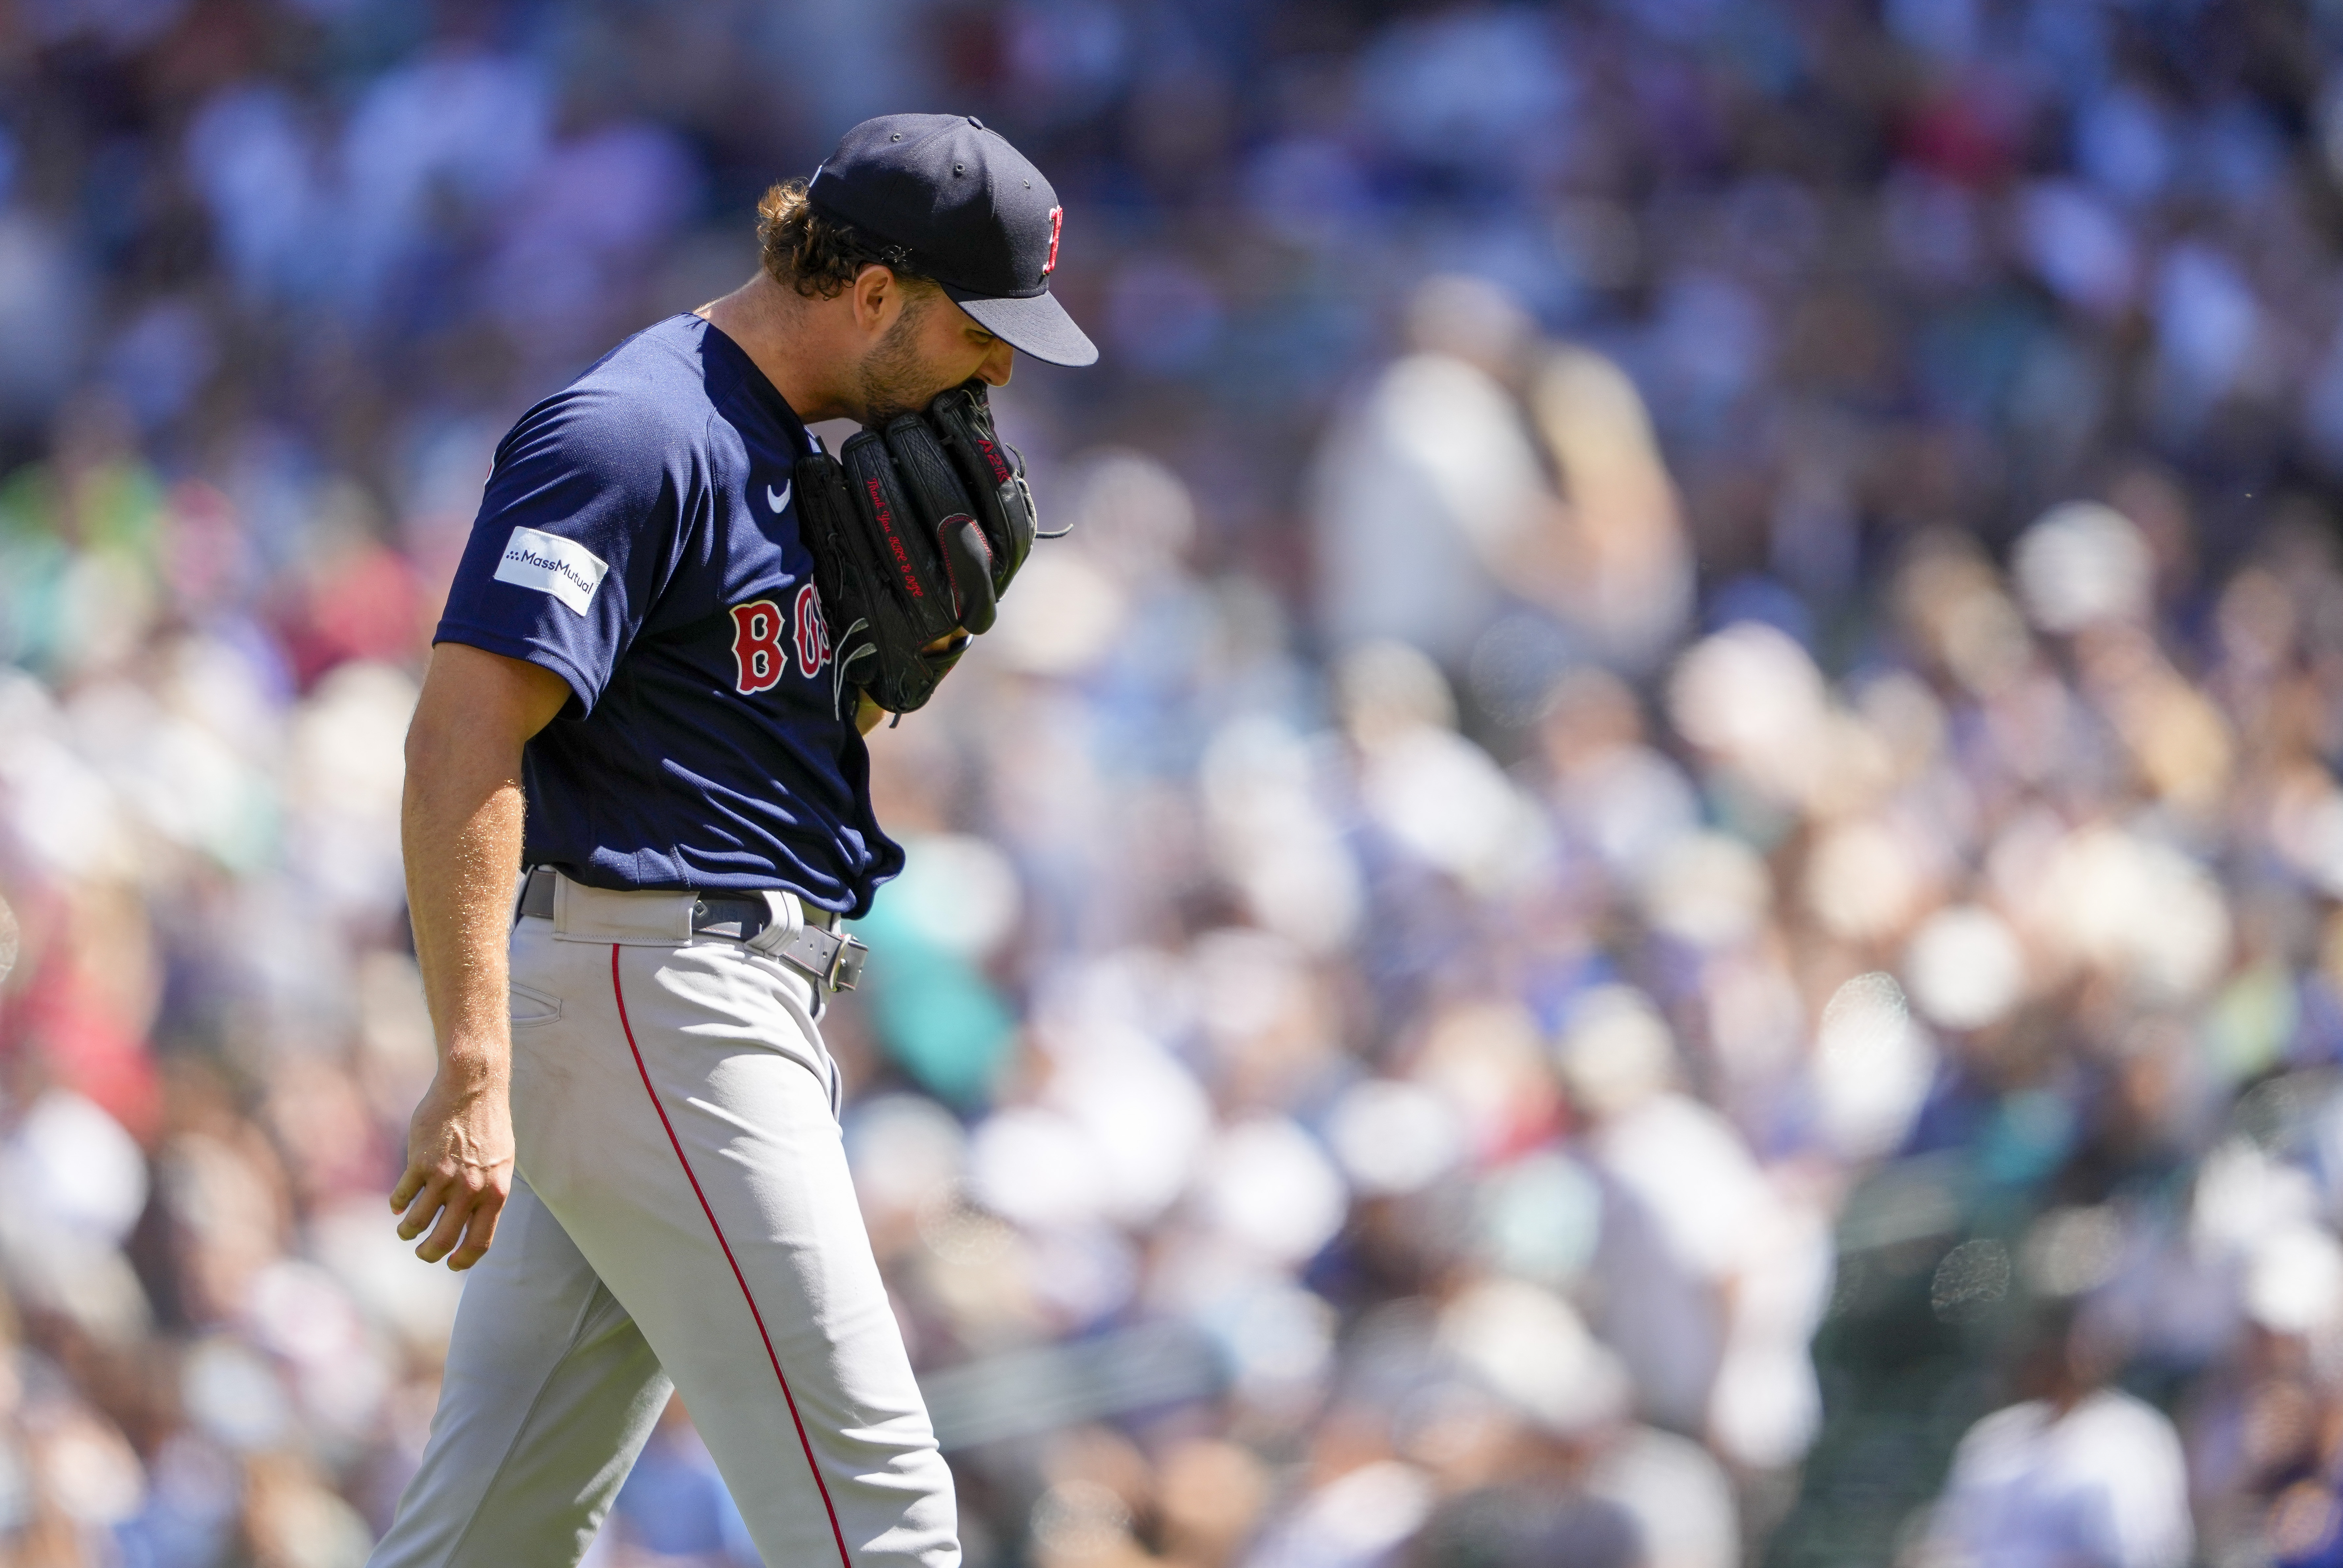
(796, 1376)
(549, 1394)
(720, 1207)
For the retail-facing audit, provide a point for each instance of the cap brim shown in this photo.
(1038, 325)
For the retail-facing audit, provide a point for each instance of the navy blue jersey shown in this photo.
(640, 539)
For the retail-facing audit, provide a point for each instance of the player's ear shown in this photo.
(874, 287)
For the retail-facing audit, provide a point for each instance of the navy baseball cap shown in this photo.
(969, 211)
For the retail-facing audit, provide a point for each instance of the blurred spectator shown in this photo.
(1437, 500)
(1683, 760)
(2078, 1473)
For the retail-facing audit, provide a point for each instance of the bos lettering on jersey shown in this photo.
(813, 631)
(759, 659)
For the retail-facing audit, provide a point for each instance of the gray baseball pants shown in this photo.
(682, 1218)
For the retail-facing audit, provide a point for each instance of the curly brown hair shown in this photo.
(818, 256)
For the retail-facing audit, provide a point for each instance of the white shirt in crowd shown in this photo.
(2104, 1486)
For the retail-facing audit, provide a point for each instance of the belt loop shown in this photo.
(561, 886)
(785, 918)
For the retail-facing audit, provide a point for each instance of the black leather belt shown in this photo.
(816, 951)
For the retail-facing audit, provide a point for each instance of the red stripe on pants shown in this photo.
(619, 991)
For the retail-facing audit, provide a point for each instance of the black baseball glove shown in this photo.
(915, 536)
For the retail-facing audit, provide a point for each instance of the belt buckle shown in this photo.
(841, 974)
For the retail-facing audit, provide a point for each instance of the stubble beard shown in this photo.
(892, 381)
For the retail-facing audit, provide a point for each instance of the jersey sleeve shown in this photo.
(577, 532)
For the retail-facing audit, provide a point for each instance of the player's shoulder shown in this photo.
(665, 362)
(640, 405)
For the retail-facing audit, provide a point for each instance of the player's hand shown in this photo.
(459, 1165)
(949, 646)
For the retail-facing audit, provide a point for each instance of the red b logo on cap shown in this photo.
(1057, 222)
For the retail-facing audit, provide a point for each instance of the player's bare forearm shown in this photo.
(461, 833)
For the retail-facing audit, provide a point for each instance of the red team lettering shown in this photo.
(813, 631)
(760, 659)
(757, 652)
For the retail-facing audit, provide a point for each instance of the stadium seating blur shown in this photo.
(1659, 880)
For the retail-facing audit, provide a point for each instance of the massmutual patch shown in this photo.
(550, 564)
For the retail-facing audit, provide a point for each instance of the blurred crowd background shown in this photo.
(1660, 882)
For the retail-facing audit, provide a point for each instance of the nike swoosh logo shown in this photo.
(778, 502)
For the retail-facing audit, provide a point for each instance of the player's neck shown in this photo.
(788, 338)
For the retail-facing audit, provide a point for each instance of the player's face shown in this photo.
(932, 345)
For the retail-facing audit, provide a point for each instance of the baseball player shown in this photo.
(633, 709)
